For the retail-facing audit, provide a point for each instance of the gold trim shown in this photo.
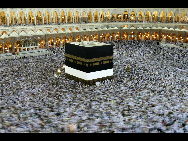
(96, 64)
(71, 60)
(79, 63)
(88, 60)
(87, 82)
(88, 64)
(106, 62)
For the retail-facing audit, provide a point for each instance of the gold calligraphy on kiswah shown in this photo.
(106, 62)
(95, 64)
(79, 63)
(88, 60)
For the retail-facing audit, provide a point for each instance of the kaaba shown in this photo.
(88, 62)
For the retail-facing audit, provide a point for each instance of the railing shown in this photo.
(117, 21)
(27, 28)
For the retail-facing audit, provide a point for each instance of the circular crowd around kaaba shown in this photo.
(147, 94)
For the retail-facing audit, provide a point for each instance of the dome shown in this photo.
(23, 33)
(4, 36)
(31, 33)
(14, 34)
(39, 32)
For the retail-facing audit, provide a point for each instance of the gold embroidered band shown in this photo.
(88, 60)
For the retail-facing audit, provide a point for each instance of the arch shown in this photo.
(90, 37)
(39, 18)
(133, 17)
(180, 38)
(42, 43)
(32, 31)
(13, 31)
(133, 26)
(132, 36)
(34, 42)
(96, 38)
(140, 16)
(50, 42)
(108, 37)
(84, 17)
(140, 36)
(4, 32)
(69, 17)
(183, 17)
(148, 16)
(71, 39)
(168, 37)
(174, 38)
(182, 27)
(84, 38)
(125, 16)
(108, 16)
(78, 38)
(47, 18)
(170, 17)
(12, 18)
(77, 28)
(3, 18)
(186, 39)
(41, 30)
(64, 40)
(102, 37)
(118, 17)
(155, 36)
(1, 48)
(162, 36)
(55, 18)
(62, 17)
(117, 36)
(57, 42)
(147, 36)
(18, 46)
(102, 18)
(30, 18)
(21, 18)
(70, 29)
(113, 18)
(155, 16)
(48, 30)
(96, 17)
(113, 36)
(56, 30)
(90, 17)
(163, 17)
(76, 17)
(124, 36)
(8, 48)
(177, 18)
(22, 31)
(26, 43)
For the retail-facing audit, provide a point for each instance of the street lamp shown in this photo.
(58, 72)
(63, 67)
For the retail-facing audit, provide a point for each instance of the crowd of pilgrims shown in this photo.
(150, 98)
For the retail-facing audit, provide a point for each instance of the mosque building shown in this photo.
(24, 29)
(129, 67)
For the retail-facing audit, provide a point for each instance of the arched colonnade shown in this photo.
(42, 17)
(33, 43)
